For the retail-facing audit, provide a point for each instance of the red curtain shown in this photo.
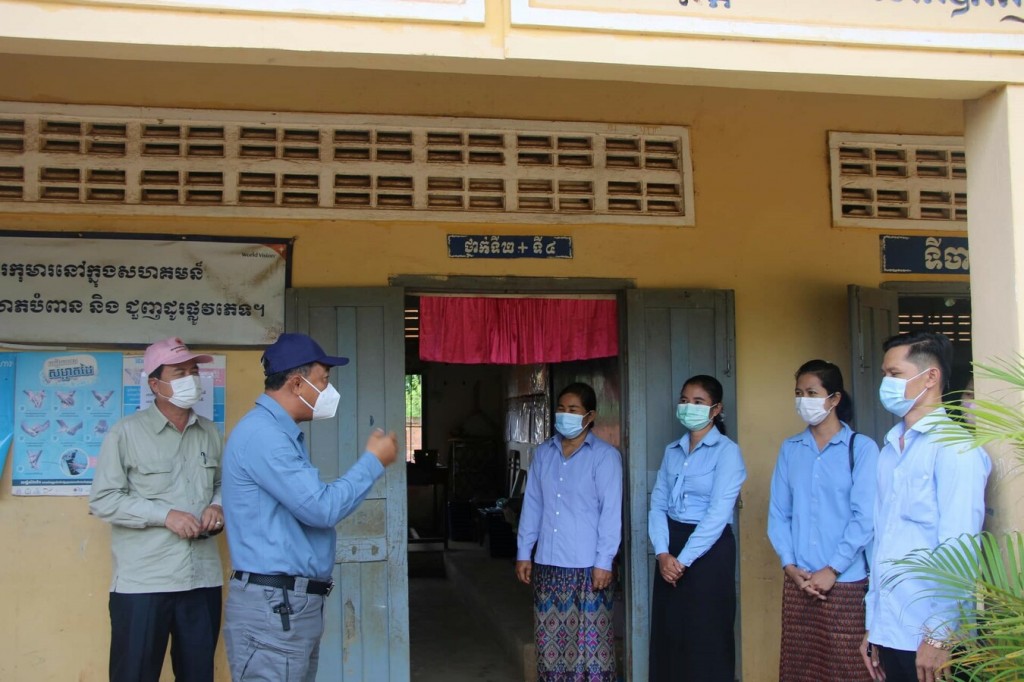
(516, 331)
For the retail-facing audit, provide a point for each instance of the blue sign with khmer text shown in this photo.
(508, 246)
(925, 255)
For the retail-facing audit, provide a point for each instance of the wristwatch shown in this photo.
(937, 643)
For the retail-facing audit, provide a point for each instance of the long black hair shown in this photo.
(832, 379)
(713, 387)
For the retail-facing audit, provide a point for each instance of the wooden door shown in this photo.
(873, 319)
(671, 335)
(366, 634)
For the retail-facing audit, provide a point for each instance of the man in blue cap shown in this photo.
(281, 517)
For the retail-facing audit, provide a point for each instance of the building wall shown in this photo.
(762, 229)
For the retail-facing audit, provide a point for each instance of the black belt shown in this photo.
(284, 582)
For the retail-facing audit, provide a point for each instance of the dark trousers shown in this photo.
(692, 624)
(899, 665)
(140, 625)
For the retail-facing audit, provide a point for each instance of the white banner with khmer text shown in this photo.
(135, 291)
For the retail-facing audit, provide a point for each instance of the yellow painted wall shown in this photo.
(763, 230)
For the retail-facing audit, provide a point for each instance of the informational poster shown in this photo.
(7, 364)
(212, 375)
(64, 405)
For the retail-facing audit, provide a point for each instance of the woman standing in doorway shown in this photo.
(820, 522)
(694, 605)
(572, 512)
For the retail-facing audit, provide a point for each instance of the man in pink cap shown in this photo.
(157, 484)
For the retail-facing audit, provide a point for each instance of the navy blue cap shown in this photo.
(295, 350)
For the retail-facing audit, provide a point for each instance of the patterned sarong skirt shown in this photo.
(821, 639)
(575, 639)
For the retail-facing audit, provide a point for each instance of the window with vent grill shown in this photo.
(909, 181)
(186, 162)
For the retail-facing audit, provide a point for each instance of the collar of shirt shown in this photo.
(157, 420)
(807, 438)
(284, 419)
(710, 439)
(925, 424)
(589, 440)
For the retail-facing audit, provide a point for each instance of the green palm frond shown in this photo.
(985, 573)
(999, 419)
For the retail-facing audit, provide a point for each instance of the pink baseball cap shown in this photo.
(172, 351)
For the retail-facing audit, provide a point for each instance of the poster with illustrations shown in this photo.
(64, 404)
(137, 395)
(7, 361)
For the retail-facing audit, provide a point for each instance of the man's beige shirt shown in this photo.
(147, 468)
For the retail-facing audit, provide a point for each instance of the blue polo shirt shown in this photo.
(280, 516)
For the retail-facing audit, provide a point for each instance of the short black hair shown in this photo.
(157, 373)
(926, 345)
(277, 379)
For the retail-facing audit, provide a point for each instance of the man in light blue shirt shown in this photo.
(929, 491)
(281, 516)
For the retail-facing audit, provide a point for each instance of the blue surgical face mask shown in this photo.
(693, 417)
(568, 424)
(893, 392)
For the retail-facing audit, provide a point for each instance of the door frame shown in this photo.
(416, 285)
(413, 285)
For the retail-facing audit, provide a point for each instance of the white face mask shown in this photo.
(326, 404)
(186, 391)
(812, 410)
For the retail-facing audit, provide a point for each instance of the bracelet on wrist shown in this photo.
(834, 571)
(937, 643)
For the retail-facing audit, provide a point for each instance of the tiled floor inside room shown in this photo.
(462, 629)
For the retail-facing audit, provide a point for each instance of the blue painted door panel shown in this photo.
(366, 633)
(671, 335)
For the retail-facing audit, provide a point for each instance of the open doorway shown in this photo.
(478, 426)
(948, 313)
(898, 308)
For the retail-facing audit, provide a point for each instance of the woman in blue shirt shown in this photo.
(820, 522)
(694, 604)
(572, 513)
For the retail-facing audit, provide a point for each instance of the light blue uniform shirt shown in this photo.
(821, 513)
(928, 493)
(572, 508)
(280, 516)
(698, 487)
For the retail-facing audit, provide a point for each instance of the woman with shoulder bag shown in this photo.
(820, 522)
